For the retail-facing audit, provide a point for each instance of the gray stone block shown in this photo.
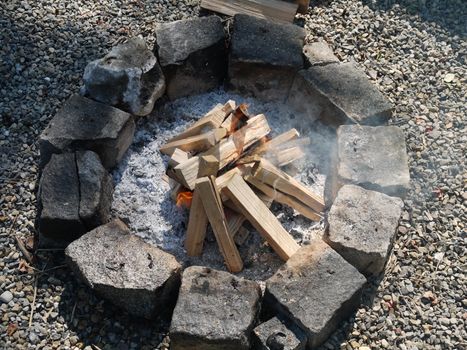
(128, 77)
(96, 189)
(132, 274)
(264, 57)
(374, 158)
(319, 54)
(277, 334)
(316, 289)
(192, 55)
(83, 124)
(361, 227)
(215, 310)
(58, 199)
(338, 94)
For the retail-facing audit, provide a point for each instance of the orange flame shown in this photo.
(184, 199)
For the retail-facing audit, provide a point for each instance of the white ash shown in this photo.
(142, 198)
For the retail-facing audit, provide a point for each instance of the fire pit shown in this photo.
(205, 149)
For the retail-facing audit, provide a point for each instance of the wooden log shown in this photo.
(275, 10)
(215, 213)
(197, 225)
(226, 151)
(208, 165)
(177, 157)
(212, 120)
(283, 198)
(267, 173)
(234, 221)
(269, 145)
(236, 119)
(197, 143)
(287, 156)
(260, 217)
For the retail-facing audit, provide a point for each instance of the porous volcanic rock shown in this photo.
(134, 275)
(339, 93)
(361, 227)
(264, 57)
(215, 310)
(319, 53)
(95, 188)
(374, 158)
(316, 289)
(128, 77)
(58, 199)
(277, 334)
(192, 55)
(84, 124)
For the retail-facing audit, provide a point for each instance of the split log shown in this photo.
(275, 142)
(208, 165)
(236, 119)
(267, 173)
(197, 225)
(226, 151)
(260, 217)
(197, 143)
(284, 199)
(177, 157)
(275, 10)
(287, 156)
(212, 120)
(215, 213)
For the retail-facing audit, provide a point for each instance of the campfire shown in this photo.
(226, 169)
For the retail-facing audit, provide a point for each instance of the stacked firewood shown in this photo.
(227, 169)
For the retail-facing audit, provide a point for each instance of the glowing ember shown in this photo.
(184, 199)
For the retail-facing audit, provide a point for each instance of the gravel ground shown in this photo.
(413, 50)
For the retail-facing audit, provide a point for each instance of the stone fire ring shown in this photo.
(321, 285)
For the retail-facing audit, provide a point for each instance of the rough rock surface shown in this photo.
(128, 77)
(83, 124)
(58, 199)
(277, 334)
(361, 227)
(319, 53)
(316, 289)
(264, 57)
(192, 55)
(95, 189)
(374, 158)
(134, 275)
(339, 93)
(215, 310)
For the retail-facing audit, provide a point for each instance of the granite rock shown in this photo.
(276, 334)
(339, 93)
(83, 124)
(264, 57)
(316, 289)
(132, 274)
(215, 310)
(128, 77)
(374, 158)
(319, 53)
(96, 189)
(192, 55)
(361, 227)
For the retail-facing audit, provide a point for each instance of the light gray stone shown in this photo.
(128, 77)
(192, 55)
(277, 334)
(316, 289)
(6, 297)
(339, 93)
(134, 275)
(319, 53)
(361, 227)
(96, 189)
(58, 199)
(83, 124)
(215, 310)
(374, 158)
(264, 57)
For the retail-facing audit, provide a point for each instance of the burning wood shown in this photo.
(228, 146)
